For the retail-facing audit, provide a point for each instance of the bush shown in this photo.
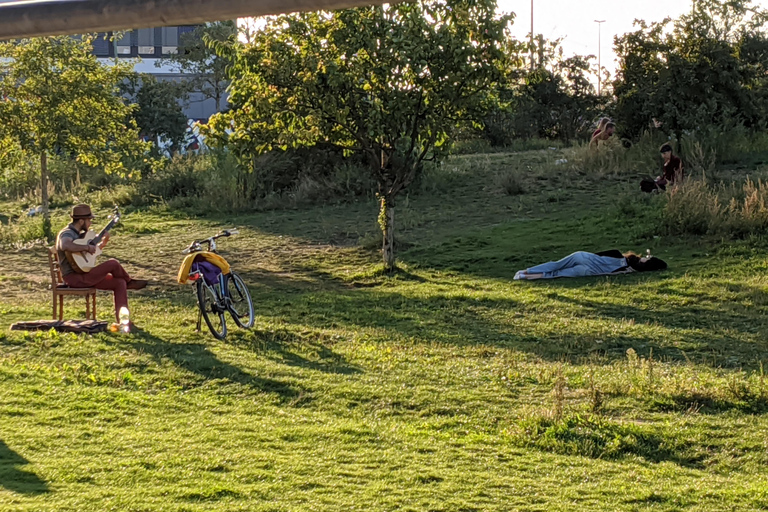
(697, 208)
(616, 156)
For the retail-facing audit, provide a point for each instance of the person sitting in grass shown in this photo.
(672, 172)
(602, 135)
(600, 127)
(581, 264)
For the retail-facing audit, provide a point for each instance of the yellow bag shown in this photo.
(211, 257)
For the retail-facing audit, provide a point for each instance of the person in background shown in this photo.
(600, 127)
(672, 171)
(603, 135)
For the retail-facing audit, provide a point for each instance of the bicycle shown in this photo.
(218, 289)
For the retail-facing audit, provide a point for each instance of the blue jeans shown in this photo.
(578, 264)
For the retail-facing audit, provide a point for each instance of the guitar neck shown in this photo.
(104, 231)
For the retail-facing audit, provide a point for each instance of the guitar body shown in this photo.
(83, 262)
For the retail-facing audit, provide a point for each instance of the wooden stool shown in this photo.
(60, 289)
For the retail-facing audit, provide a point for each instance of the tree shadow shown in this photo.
(310, 353)
(16, 479)
(198, 359)
(690, 310)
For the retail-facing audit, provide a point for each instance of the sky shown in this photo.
(574, 21)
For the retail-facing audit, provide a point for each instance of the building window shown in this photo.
(123, 45)
(170, 40)
(146, 41)
(102, 44)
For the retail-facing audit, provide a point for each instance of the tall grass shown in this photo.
(617, 157)
(730, 210)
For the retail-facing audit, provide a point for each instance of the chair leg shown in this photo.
(61, 308)
(55, 306)
(93, 308)
(87, 307)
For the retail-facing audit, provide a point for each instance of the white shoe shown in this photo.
(519, 275)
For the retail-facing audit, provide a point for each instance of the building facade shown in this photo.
(146, 46)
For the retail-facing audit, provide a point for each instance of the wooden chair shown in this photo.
(60, 289)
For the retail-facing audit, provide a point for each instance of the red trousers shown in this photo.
(109, 275)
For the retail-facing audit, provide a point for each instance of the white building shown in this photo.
(146, 47)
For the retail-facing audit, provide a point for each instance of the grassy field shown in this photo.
(446, 387)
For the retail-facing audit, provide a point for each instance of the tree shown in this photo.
(196, 58)
(390, 82)
(55, 96)
(555, 100)
(158, 112)
(704, 69)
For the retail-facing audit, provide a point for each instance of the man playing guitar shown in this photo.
(109, 275)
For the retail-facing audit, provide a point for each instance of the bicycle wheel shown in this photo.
(212, 312)
(239, 304)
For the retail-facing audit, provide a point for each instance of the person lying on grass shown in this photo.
(581, 263)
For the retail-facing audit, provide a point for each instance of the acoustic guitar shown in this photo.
(83, 262)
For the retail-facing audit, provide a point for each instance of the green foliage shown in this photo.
(555, 101)
(158, 112)
(197, 58)
(390, 83)
(57, 97)
(706, 68)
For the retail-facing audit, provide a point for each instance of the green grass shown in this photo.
(444, 387)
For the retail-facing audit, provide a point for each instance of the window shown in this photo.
(123, 45)
(170, 39)
(101, 44)
(146, 41)
(170, 36)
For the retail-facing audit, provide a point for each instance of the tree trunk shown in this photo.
(387, 224)
(44, 196)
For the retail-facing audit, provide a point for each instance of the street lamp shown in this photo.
(531, 35)
(599, 64)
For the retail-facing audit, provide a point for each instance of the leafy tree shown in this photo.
(159, 112)
(555, 100)
(391, 83)
(196, 58)
(705, 68)
(55, 96)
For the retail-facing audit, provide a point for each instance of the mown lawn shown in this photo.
(446, 387)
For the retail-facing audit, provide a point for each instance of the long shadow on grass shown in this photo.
(196, 358)
(293, 349)
(693, 311)
(16, 479)
(324, 303)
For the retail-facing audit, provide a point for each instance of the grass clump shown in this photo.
(729, 210)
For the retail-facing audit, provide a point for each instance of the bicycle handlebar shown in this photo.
(195, 246)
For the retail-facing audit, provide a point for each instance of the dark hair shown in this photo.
(649, 265)
(665, 148)
(610, 125)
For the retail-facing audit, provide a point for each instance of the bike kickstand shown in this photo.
(199, 320)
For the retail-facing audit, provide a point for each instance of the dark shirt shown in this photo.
(671, 168)
(68, 233)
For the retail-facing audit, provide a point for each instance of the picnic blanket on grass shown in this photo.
(86, 326)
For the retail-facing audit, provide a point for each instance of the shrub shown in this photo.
(697, 208)
(510, 182)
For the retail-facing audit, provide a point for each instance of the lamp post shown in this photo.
(599, 64)
(531, 35)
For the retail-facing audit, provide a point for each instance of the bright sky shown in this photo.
(574, 21)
